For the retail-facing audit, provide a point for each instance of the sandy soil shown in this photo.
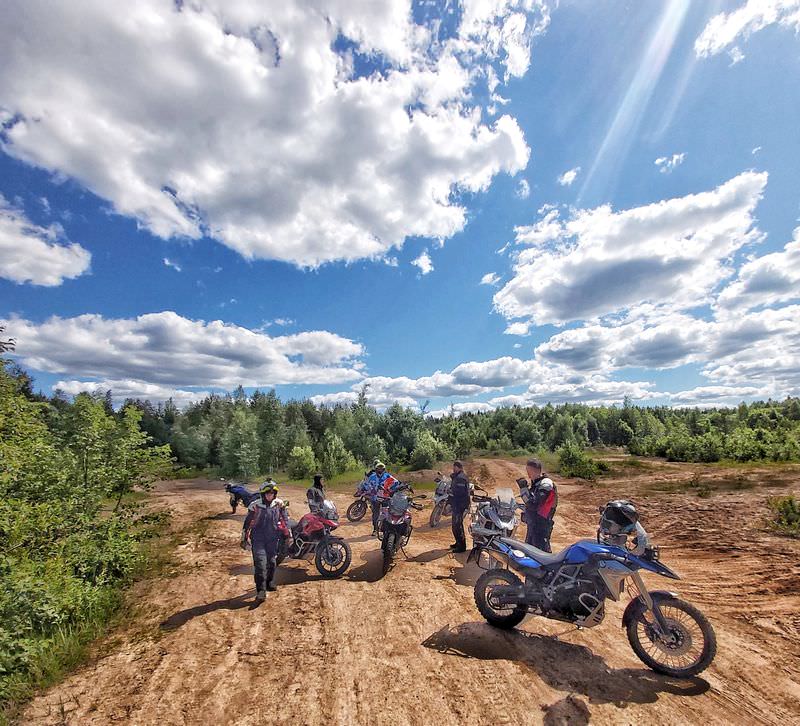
(410, 647)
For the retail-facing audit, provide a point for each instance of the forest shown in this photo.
(244, 434)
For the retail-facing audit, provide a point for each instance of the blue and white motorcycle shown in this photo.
(667, 634)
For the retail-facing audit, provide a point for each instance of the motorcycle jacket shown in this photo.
(264, 523)
(316, 498)
(541, 498)
(381, 486)
(459, 491)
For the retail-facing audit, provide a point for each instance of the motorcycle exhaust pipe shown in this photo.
(509, 595)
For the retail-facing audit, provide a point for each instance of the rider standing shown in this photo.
(263, 527)
(316, 494)
(459, 503)
(541, 500)
(379, 486)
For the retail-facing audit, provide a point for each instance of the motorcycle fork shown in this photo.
(650, 604)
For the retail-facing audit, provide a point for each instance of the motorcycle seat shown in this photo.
(541, 556)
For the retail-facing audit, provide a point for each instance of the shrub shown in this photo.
(428, 450)
(335, 456)
(785, 515)
(573, 461)
(301, 463)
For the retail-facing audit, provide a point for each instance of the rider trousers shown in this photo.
(264, 566)
(539, 531)
(376, 512)
(457, 524)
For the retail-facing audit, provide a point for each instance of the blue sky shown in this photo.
(281, 172)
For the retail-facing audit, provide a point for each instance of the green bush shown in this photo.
(428, 450)
(335, 457)
(302, 463)
(573, 461)
(785, 515)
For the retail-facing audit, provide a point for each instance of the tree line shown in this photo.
(244, 435)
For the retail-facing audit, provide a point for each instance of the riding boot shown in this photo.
(271, 567)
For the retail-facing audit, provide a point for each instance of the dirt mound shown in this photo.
(410, 647)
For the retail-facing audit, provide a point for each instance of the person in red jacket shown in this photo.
(263, 528)
(541, 501)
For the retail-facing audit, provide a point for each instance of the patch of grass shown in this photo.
(69, 646)
(785, 515)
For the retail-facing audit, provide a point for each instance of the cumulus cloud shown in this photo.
(122, 390)
(666, 164)
(566, 179)
(594, 389)
(34, 254)
(305, 131)
(169, 351)
(523, 190)
(599, 261)
(518, 328)
(726, 29)
(490, 278)
(717, 395)
(424, 263)
(765, 280)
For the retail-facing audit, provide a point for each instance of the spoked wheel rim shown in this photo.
(333, 556)
(356, 511)
(683, 644)
(491, 601)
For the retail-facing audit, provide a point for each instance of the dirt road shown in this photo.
(410, 647)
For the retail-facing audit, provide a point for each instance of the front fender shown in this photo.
(636, 604)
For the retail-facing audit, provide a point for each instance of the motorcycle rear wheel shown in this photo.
(508, 616)
(357, 510)
(692, 645)
(436, 515)
(334, 560)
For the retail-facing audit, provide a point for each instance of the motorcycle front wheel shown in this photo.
(436, 515)
(357, 510)
(501, 616)
(388, 547)
(334, 559)
(685, 650)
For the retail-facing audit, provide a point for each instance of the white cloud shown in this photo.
(34, 254)
(518, 328)
(599, 262)
(666, 164)
(765, 280)
(718, 395)
(592, 390)
(523, 190)
(167, 350)
(490, 278)
(456, 409)
(566, 179)
(735, 55)
(755, 150)
(248, 123)
(726, 29)
(121, 390)
(424, 263)
(174, 265)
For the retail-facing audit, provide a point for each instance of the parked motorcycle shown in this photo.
(357, 510)
(492, 516)
(312, 534)
(441, 500)
(394, 523)
(239, 494)
(667, 634)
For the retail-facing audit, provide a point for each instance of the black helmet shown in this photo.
(618, 517)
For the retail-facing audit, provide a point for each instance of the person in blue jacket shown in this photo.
(380, 485)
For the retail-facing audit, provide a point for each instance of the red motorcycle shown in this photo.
(394, 524)
(332, 555)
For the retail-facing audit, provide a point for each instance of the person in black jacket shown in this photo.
(459, 503)
(541, 500)
(315, 495)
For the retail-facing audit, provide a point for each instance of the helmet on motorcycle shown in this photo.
(618, 517)
(379, 465)
(267, 487)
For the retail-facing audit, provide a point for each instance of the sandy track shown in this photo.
(411, 648)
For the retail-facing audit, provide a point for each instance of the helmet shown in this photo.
(618, 517)
(380, 465)
(267, 487)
